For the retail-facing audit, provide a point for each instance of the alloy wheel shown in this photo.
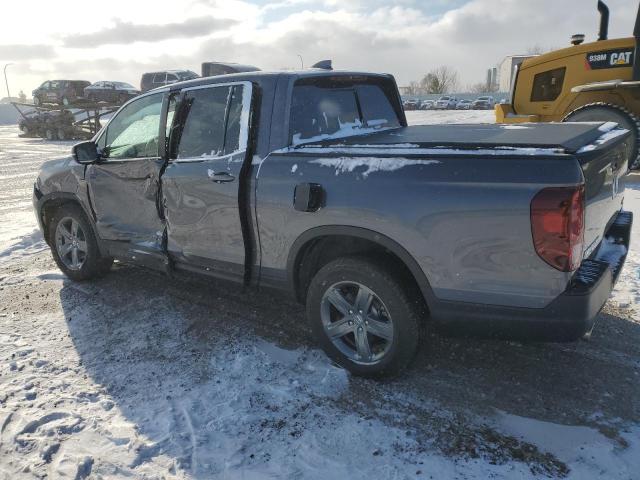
(357, 322)
(71, 243)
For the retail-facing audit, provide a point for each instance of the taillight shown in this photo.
(557, 224)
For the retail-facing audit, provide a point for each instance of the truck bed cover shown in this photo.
(559, 138)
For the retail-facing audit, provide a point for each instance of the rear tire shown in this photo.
(363, 317)
(70, 230)
(604, 112)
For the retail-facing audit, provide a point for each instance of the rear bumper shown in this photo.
(569, 317)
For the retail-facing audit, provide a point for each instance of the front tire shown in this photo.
(74, 245)
(604, 112)
(363, 317)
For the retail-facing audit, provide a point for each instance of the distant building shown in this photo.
(507, 68)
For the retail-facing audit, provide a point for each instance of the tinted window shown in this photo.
(376, 109)
(204, 124)
(212, 119)
(319, 111)
(547, 86)
(160, 78)
(232, 136)
(134, 131)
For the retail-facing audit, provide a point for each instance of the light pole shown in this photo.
(301, 62)
(6, 82)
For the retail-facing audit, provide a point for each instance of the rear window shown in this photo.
(547, 86)
(186, 75)
(322, 109)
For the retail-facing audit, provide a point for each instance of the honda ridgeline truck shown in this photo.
(312, 182)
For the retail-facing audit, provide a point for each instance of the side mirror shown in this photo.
(85, 152)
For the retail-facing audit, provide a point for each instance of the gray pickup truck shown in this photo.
(312, 182)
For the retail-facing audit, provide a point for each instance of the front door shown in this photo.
(202, 181)
(124, 185)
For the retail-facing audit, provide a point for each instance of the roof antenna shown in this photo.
(323, 64)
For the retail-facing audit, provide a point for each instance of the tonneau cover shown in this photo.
(567, 137)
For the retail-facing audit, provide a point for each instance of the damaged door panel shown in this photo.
(202, 181)
(124, 186)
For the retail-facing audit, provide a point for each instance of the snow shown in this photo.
(371, 164)
(431, 151)
(141, 376)
(604, 138)
(345, 130)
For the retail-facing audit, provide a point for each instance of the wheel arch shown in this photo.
(320, 245)
(50, 203)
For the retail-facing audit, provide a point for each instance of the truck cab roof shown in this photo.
(293, 75)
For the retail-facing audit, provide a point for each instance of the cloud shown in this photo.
(25, 52)
(403, 37)
(127, 32)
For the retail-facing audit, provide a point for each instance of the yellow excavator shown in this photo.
(586, 82)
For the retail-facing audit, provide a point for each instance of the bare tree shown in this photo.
(535, 50)
(443, 79)
(414, 88)
(480, 87)
(539, 50)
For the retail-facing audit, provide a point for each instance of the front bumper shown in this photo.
(569, 317)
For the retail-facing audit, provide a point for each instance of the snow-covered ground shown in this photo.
(142, 376)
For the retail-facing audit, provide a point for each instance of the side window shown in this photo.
(232, 140)
(547, 86)
(204, 124)
(54, 85)
(134, 131)
(214, 122)
(172, 78)
(160, 78)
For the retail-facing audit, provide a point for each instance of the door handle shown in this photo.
(220, 177)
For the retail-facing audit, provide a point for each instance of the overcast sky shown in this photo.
(121, 39)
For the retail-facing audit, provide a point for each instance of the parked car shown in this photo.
(464, 105)
(60, 92)
(312, 182)
(426, 105)
(112, 92)
(152, 80)
(411, 104)
(446, 102)
(483, 103)
(211, 69)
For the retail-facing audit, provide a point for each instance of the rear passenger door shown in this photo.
(202, 182)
